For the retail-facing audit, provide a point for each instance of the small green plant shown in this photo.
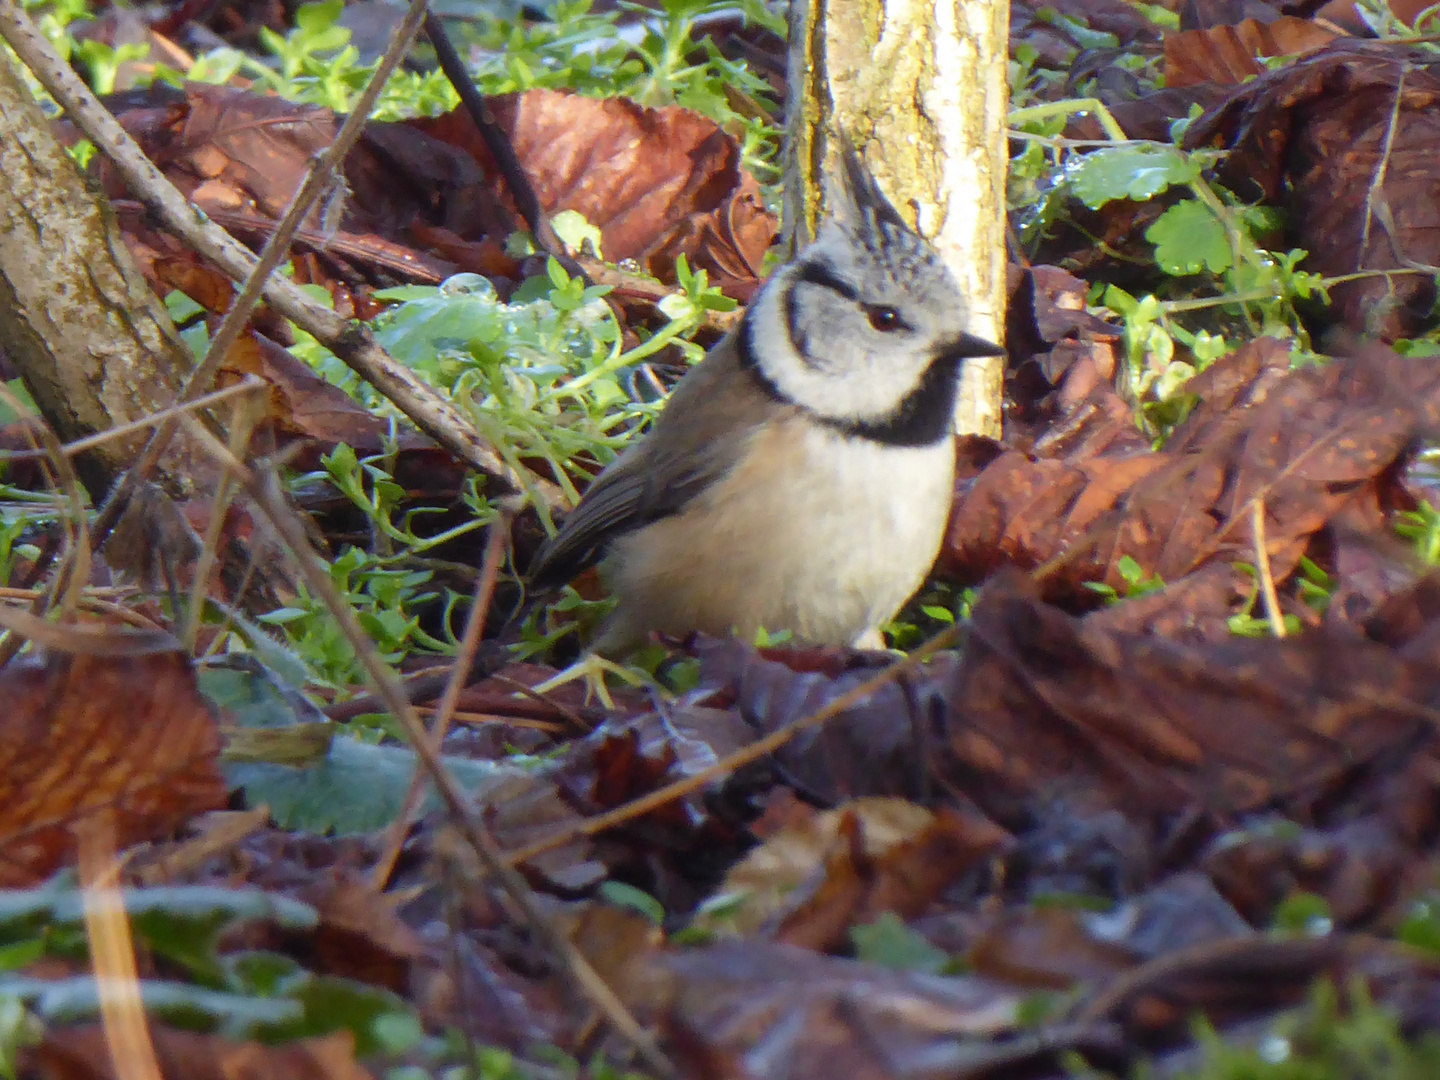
(373, 491)
(387, 584)
(1421, 527)
(570, 615)
(248, 994)
(769, 639)
(18, 1029)
(543, 377)
(1136, 582)
(938, 606)
(1323, 1040)
(103, 62)
(381, 599)
(1245, 623)
(1418, 31)
(1305, 914)
(1219, 278)
(1313, 585)
(20, 512)
(1421, 926)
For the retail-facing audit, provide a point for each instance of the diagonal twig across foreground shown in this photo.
(263, 488)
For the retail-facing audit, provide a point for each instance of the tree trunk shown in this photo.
(920, 88)
(95, 347)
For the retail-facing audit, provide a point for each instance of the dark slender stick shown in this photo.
(496, 139)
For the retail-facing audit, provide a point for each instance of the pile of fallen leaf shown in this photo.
(1078, 828)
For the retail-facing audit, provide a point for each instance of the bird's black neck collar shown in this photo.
(923, 417)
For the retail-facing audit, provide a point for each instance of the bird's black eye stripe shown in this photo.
(823, 274)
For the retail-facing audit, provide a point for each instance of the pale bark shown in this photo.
(920, 87)
(95, 347)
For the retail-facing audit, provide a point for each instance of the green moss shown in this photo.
(1323, 1040)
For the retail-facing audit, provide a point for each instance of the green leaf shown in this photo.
(1189, 238)
(17, 387)
(628, 896)
(1135, 171)
(331, 1004)
(575, 230)
(358, 787)
(76, 999)
(318, 16)
(889, 942)
(1304, 913)
(1421, 927)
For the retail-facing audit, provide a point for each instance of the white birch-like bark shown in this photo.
(919, 86)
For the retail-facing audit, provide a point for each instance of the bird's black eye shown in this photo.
(884, 319)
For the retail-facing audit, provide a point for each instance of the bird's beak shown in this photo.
(968, 345)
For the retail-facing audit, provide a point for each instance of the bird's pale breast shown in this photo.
(812, 531)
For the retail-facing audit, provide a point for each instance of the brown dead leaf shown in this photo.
(736, 1009)
(81, 1053)
(240, 156)
(359, 935)
(247, 151)
(810, 882)
(1206, 14)
(1310, 445)
(620, 761)
(1230, 725)
(1229, 55)
(1041, 704)
(658, 183)
(306, 409)
(131, 735)
(1344, 141)
(1045, 948)
(1360, 869)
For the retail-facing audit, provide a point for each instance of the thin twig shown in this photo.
(1160, 969)
(560, 709)
(89, 442)
(85, 639)
(112, 952)
(744, 756)
(1268, 595)
(352, 342)
(368, 248)
(264, 490)
(1375, 193)
(495, 138)
(459, 672)
(238, 432)
(74, 570)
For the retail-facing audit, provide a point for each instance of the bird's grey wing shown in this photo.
(621, 500)
(695, 443)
